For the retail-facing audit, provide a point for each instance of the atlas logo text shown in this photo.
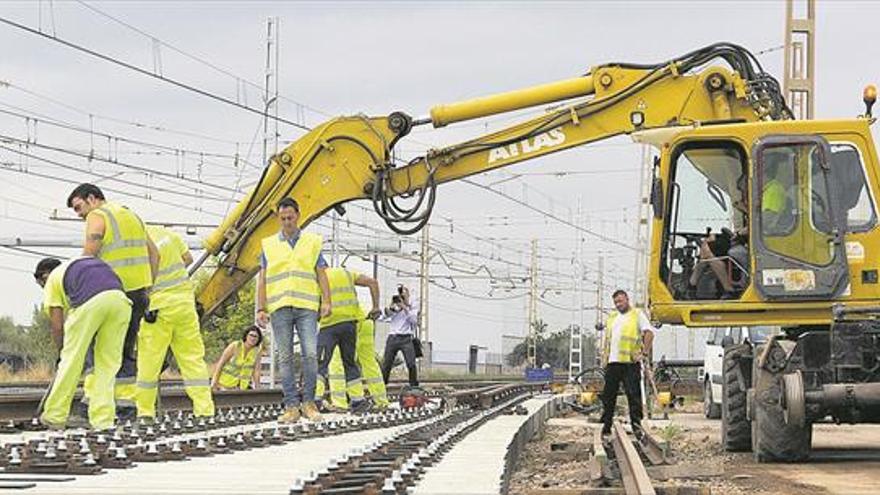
(548, 139)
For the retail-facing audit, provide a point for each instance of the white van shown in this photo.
(713, 360)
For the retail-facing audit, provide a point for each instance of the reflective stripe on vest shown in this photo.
(237, 372)
(172, 279)
(290, 274)
(630, 340)
(344, 305)
(124, 246)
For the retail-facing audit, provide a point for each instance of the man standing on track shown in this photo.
(117, 236)
(627, 342)
(292, 287)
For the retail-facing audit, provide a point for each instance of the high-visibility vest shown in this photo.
(290, 273)
(773, 197)
(124, 246)
(237, 372)
(172, 280)
(343, 297)
(630, 337)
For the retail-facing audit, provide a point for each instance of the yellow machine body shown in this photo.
(682, 108)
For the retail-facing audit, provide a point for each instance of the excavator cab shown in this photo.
(762, 218)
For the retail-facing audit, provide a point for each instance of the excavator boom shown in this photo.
(349, 158)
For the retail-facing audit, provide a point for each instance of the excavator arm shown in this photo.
(350, 158)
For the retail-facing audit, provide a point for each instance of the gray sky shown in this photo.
(373, 58)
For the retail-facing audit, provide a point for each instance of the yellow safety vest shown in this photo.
(290, 274)
(172, 280)
(237, 372)
(773, 197)
(124, 246)
(343, 297)
(630, 337)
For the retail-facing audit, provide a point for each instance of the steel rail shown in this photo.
(632, 472)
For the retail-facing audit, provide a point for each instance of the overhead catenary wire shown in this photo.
(146, 72)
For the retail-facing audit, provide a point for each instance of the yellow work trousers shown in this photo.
(176, 326)
(371, 373)
(104, 319)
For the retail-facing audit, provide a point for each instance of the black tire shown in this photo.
(773, 440)
(710, 409)
(736, 429)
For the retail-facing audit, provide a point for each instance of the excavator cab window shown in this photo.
(706, 239)
(799, 253)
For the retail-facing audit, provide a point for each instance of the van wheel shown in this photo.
(736, 429)
(710, 409)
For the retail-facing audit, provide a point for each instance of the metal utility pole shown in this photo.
(334, 240)
(575, 352)
(599, 308)
(643, 230)
(800, 59)
(270, 90)
(424, 280)
(270, 107)
(532, 348)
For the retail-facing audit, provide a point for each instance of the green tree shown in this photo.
(552, 348)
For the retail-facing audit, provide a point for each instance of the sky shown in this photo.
(373, 58)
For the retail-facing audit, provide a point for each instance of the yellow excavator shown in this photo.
(758, 219)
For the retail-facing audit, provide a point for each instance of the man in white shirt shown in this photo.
(628, 340)
(404, 320)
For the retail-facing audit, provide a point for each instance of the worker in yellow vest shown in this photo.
(371, 372)
(85, 303)
(628, 341)
(339, 331)
(239, 365)
(292, 287)
(172, 321)
(117, 236)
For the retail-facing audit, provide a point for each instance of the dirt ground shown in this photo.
(845, 459)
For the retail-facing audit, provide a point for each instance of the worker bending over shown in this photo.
(293, 288)
(117, 236)
(371, 372)
(403, 320)
(239, 365)
(628, 339)
(172, 321)
(339, 330)
(85, 302)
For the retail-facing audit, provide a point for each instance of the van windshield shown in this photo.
(761, 333)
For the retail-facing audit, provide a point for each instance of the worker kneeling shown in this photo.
(85, 302)
(371, 372)
(172, 321)
(238, 366)
(627, 341)
(338, 330)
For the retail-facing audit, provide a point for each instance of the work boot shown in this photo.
(291, 415)
(361, 407)
(311, 412)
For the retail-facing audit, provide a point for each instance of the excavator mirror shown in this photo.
(657, 197)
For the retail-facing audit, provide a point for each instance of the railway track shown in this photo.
(415, 440)
(19, 408)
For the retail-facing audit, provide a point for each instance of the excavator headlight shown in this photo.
(637, 119)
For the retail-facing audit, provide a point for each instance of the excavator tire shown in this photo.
(736, 429)
(773, 440)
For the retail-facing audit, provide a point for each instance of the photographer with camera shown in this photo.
(404, 320)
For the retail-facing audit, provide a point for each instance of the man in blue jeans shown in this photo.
(293, 289)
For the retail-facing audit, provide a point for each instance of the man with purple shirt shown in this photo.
(85, 302)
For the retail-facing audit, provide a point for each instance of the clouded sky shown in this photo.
(373, 58)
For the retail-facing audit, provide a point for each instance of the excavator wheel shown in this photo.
(736, 429)
(774, 440)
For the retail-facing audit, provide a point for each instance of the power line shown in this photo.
(145, 72)
(119, 163)
(114, 178)
(550, 215)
